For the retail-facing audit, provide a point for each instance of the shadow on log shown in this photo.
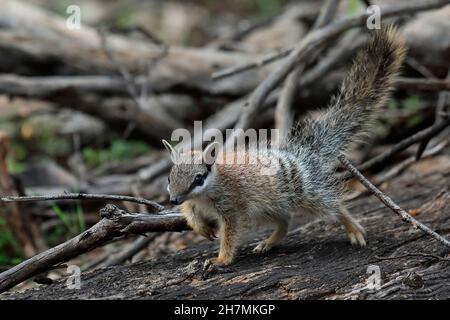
(315, 261)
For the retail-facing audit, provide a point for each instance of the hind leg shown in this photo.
(355, 231)
(282, 224)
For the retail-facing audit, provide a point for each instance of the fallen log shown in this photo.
(115, 223)
(34, 39)
(315, 261)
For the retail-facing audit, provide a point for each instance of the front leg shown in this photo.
(282, 224)
(198, 222)
(229, 240)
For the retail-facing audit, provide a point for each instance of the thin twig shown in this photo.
(115, 224)
(339, 26)
(417, 254)
(128, 79)
(352, 41)
(402, 145)
(390, 203)
(400, 167)
(443, 101)
(306, 46)
(271, 57)
(138, 29)
(129, 251)
(84, 196)
(439, 116)
(326, 15)
(416, 65)
(419, 84)
(283, 114)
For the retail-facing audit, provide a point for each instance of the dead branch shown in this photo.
(252, 65)
(310, 43)
(50, 87)
(439, 116)
(43, 37)
(84, 196)
(420, 68)
(115, 223)
(390, 203)
(402, 145)
(141, 99)
(129, 251)
(322, 35)
(400, 167)
(422, 84)
(283, 115)
(413, 255)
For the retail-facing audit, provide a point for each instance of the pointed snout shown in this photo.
(176, 200)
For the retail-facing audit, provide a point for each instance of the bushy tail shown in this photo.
(364, 90)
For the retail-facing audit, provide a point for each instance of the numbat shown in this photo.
(222, 197)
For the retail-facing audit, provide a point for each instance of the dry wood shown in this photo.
(422, 84)
(83, 196)
(115, 223)
(43, 87)
(442, 104)
(390, 203)
(343, 24)
(129, 251)
(310, 43)
(315, 261)
(400, 167)
(283, 113)
(42, 38)
(402, 145)
(141, 99)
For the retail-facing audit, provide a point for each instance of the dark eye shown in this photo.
(199, 179)
(168, 179)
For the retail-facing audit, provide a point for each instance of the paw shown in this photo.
(263, 246)
(208, 233)
(219, 261)
(357, 238)
(205, 231)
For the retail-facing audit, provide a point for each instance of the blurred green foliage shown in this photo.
(354, 6)
(125, 18)
(10, 253)
(73, 220)
(412, 104)
(267, 8)
(73, 223)
(118, 150)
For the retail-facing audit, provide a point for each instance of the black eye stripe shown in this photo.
(199, 180)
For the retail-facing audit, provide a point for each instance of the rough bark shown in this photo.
(315, 261)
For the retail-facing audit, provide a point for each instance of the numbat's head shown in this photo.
(191, 172)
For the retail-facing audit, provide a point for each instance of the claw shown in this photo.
(357, 238)
(263, 246)
(209, 236)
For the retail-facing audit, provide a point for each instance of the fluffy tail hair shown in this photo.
(363, 91)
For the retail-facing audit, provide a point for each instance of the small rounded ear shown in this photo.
(208, 157)
(174, 155)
